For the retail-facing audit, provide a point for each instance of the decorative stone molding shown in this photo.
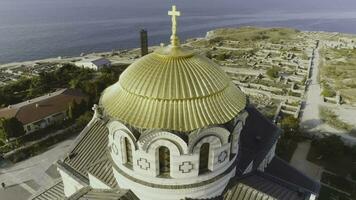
(114, 149)
(222, 157)
(243, 116)
(143, 163)
(186, 167)
(149, 138)
(117, 129)
(117, 134)
(213, 140)
(238, 127)
(97, 111)
(173, 148)
(221, 135)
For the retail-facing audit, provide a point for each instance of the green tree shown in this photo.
(74, 109)
(330, 147)
(328, 92)
(74, 83)
(84, 119)
(273, 72)
(11, 128)
(290, 124)
(71, 110)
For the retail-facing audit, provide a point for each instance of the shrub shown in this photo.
(329, 117)
(330, 147)
(273, 72)
(84, 119)
(290, 124)
(10, 128)
(328, 92)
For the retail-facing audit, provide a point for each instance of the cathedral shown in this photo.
(175, 127)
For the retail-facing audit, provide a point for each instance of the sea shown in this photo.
(37, 29)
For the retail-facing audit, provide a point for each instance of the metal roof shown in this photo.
(103, 171)
(89, 147)
(173, 89)
(277, 189)
(257, 138)
(243, 192)
(54, 192)
(88, 193)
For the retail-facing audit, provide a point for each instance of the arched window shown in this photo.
(231, 141)
(128, 150)
(204, 158)
(164, 161)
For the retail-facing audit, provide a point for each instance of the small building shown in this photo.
(40, 112)
(94, 63)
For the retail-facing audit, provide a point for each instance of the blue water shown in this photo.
(35, 29)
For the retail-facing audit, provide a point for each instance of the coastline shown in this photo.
(126, 56)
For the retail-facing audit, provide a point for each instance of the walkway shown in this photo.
(310, 120)
(24, 178)
(299, 161)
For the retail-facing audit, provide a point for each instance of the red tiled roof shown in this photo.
(41, 107)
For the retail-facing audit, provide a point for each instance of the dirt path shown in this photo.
(310, 119)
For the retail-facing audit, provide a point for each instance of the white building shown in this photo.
(175, 127)
(94, 63)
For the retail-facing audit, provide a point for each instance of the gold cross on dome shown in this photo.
(174, 13)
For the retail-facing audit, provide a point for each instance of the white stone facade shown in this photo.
(142, 175)
(96, 183)
(70, 182)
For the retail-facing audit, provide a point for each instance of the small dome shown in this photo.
(174, 89)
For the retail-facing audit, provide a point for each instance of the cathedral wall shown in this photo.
(186, 178)
(184, 159)
(184, 168)
(146, 192)
(71, 184)
(96, 183)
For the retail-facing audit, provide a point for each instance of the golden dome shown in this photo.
(174, 89)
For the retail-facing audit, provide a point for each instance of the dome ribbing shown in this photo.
(173, 89)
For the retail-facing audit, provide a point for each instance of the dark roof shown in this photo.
(41, 107)
(243, 192)
(88, 193)
(257, 138)
(54, 192)
(103, 171)
(89, 147)
(277, 189)
(283, 171)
